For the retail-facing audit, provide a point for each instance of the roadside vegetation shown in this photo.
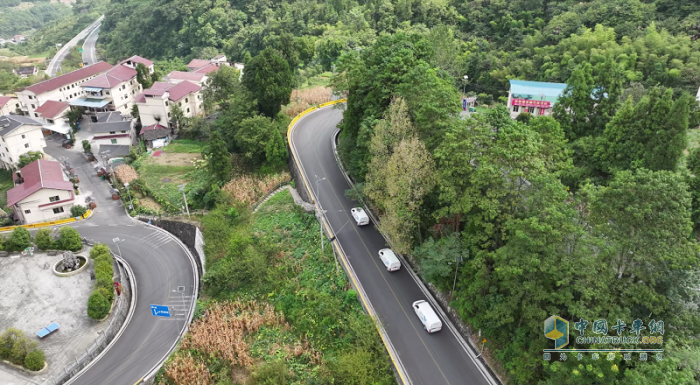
(101, 298)
(19, 349)
(274, 310)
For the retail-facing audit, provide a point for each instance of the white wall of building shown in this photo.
(51, 209)
(20, 141)
(31, 101)
(10, 107)
(159, 107)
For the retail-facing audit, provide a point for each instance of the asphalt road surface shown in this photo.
(429, 359)
(89, 51)
(160, 265)
(55, 63)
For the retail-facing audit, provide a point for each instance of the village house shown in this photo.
(178, 76)
(25, 72)
(18, 135)
(9, 105)
(42, 193)
(64, 88)
(53, 117)
(155, 136)
(536, 98)
(113, 90)
(133, 61)
(113, 129)
(155, 104)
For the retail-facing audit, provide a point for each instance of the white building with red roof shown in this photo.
(179, 76)
(52, 112)
(42, 193)
(133, 61)
(113, 90)
(18, 135)
(64, 88)
(155, 104)
(9, 105)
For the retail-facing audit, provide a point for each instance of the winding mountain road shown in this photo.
(420, 358)
(55, 63)
(161, 265)
(89, 46)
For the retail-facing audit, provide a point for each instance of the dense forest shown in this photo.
(589, 214)
(23, 17)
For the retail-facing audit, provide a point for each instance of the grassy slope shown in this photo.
(185, 146)
(324, 315)
(5, 184)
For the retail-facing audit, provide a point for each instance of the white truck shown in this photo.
(431, 322)
(390, 260)
(359, 215)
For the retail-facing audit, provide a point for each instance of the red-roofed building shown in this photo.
(194, 77)
(207, 69)
(42, 193)
(113, 90)
(155, 103)
(64, 88)
(9, 105)
(133, 61)
(51, 111)
(196, 64)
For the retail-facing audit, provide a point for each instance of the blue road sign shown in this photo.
(160, 311)
(464, 104)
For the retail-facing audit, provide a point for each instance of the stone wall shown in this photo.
(296, 176)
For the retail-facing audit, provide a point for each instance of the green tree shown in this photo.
(19, 240)
(259, 137)
(86, 146)
(219, 159)
(34, 360)
(275, 373)
(78, 211)
(576, 104)
(75, 115)
(69, 239)
(44, 239)
(222, 85)
(438, 259)
(269, 77)
(143, 76)
(7, 341)
(98, 306)
(177, 117)
(670, 139)
(29, 157)
(240, 106)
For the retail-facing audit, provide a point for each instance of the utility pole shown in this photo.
(320, 209)
(117, 241)
(464, 90)
(182, 188)
(131, 202)
(458, 259)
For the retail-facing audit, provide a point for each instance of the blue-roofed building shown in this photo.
(537, 98)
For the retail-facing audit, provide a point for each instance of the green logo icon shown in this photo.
(557, 329)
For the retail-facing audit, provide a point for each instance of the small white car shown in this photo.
(431, 322)
(359, 215)
(390, 260)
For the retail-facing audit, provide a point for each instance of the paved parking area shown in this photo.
(32, 297)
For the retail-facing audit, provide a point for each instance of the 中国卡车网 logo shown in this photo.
(557, 329)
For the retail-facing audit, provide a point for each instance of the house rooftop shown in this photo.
(112, 78)
(37, 175)
(9, 123)
(154, 131)
(50, 109)
(71, 77)
(198, 63)
(138, 59)
(175, 91)
(4, 100)
(207, 69)
(111, 116)
(191, 76)
(107, 127)
(522, 89)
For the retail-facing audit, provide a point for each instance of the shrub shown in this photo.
(98, 306)
(34, 360)
(275, 373)
(7, 341)
(22, 346)
(69, 239)
(99, 248)
(103, 265)
(78, 211)
(44, 240)
(19, 240)
(103, 278)
(104, 257)
(107, 293)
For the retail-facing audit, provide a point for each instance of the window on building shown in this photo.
(187, 100)
(114, 141)
(123, 132)
(107, 92)
(10, 158)
(516, 108)
(166, 104)
(7, 149)
(17, 105)
(531, 110)
(58, 210)
(50, 120)
(168, 114)
(27, 211)
(36, 115)
(33, 106)
(188, 110)
(54, 198)
(26, 145)
(23, 136)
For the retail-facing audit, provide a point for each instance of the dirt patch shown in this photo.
(175, 159)
(150, 204)
(23, 59)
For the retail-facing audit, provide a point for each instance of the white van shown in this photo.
(359, 215)
(390, 260)
(431, 322)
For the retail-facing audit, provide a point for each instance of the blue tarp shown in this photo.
(47, 330)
